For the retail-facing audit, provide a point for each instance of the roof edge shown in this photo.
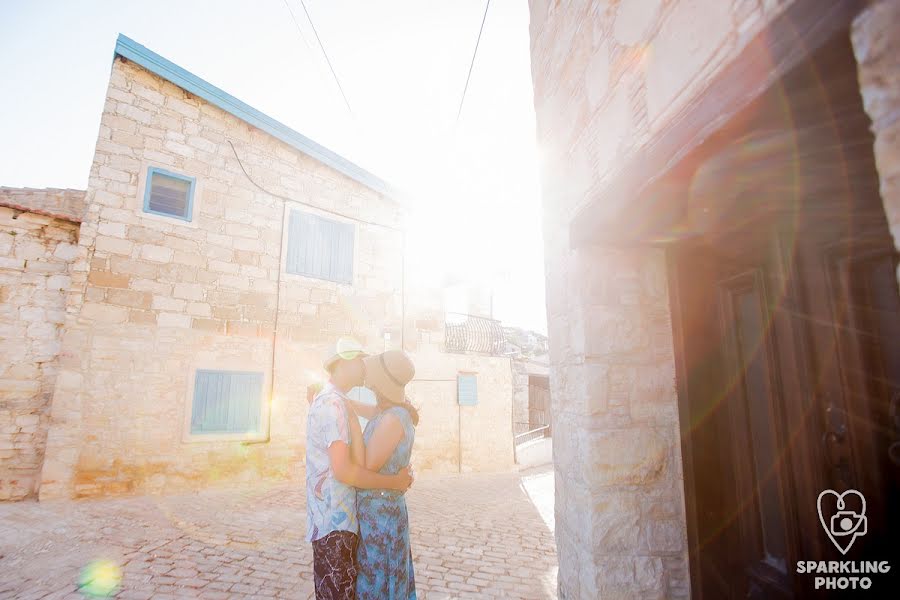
(153, 62)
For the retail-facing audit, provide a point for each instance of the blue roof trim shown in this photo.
(153, 62)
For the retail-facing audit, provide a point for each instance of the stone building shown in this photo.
(38, 241)
(722, 211)
(177, 312)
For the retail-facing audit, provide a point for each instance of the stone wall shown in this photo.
(65, 204)
(154, 299)
(35, 253)
(608, 77)
(453, 438)
(876, 43)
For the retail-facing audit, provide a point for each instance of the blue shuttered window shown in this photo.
(467, 390)
(320, 247)
(169, 194)
(226, 402)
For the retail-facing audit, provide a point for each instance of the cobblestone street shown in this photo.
(473, 536)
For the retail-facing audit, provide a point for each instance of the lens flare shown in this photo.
(100, 579)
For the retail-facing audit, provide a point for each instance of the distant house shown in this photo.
(182, 305)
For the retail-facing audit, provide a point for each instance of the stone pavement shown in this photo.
(473, 536)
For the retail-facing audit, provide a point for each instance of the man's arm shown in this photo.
(349, 473)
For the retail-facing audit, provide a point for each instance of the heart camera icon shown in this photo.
(845, 525)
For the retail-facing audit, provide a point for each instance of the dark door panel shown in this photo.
(786, 318)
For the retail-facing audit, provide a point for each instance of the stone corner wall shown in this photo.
(36, 252)
(876, 43)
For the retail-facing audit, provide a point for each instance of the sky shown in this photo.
(402, 65)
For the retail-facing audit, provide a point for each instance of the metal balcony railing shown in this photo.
(531, 435)
(468, 333)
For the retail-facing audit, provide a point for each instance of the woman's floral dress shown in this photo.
(385, 561)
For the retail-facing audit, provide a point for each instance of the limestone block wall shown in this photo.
(452, 438)
(35, 253)
(876, 43)
(607, 77)
(154, 299)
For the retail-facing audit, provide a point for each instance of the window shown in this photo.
(320, 248)
(169, 194)
(467, 389)
(226, 402)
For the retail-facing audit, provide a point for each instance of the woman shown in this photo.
(383, 556)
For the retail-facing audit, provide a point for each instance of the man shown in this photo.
(334, 471)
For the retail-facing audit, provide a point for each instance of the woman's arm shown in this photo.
(383, 442)
(349, 473)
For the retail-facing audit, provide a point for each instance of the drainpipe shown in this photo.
(512, 409)
(459, 437)
(268, 437)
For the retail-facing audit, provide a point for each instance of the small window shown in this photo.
(320, 248)
(226, 402)
(169, 194)
(467, 390)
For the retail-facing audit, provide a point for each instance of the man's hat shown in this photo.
(345, 349)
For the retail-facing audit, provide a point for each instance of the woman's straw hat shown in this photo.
(388, 373)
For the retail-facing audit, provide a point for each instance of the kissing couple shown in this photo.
(357, 520)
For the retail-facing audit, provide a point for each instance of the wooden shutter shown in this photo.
(320, 248)
(467, 390)
(226, 402)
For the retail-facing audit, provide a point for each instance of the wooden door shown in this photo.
(739, 380)
(786, 314)
(538, 402)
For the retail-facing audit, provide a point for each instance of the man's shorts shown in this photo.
(334, 566)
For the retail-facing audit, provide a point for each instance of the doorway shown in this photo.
(786, 320)
(539, 403)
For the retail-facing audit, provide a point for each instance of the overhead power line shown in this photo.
(322, 46)
(474, 54)
(297, 25)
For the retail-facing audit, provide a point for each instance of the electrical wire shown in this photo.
(319, 208)
(322, 46)
(474, 54)
(297, 25)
